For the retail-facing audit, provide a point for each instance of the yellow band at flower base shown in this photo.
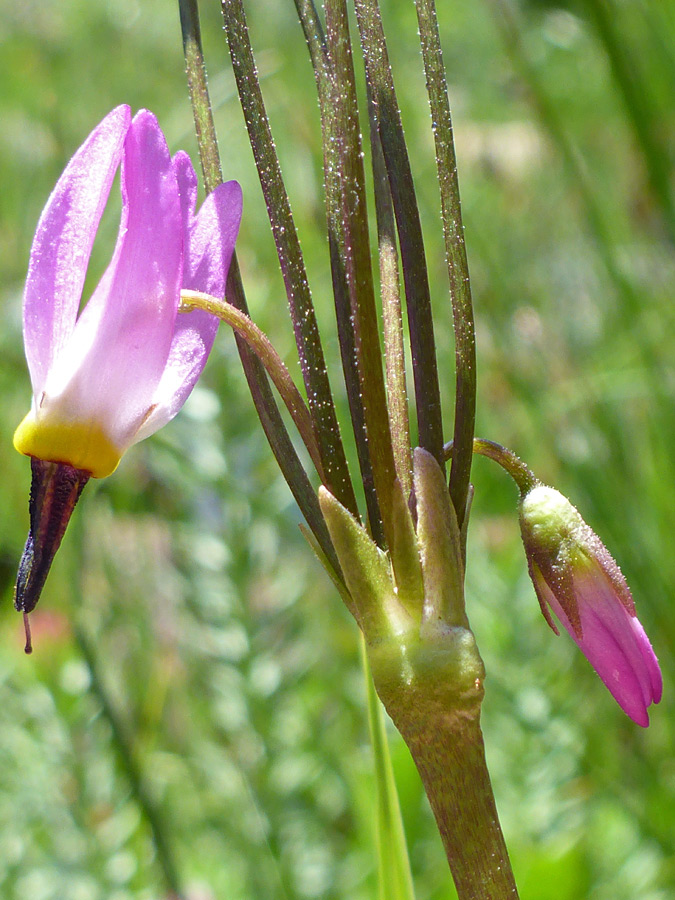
(82, 445)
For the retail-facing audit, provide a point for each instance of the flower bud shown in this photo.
(577, 579)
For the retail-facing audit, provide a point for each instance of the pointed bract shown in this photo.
(577, 579)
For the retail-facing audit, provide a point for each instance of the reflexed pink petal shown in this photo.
(121, 342)
(187, 187)
(604, 648)
(63, 241)
(212, 238)
(597, 595)
(208, 251)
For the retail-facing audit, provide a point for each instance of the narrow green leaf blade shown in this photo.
(394, 875)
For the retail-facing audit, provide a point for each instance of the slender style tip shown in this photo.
(55, 489)
(26, 625)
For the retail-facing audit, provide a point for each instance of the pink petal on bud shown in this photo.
(576, 577)
(613, 641)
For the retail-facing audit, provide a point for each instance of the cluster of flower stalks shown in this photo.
(112, 374)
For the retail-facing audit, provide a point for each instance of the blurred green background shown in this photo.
(195, 677)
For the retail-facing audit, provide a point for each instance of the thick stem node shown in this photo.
(433, 690)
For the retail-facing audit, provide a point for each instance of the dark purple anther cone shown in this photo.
(55, 489)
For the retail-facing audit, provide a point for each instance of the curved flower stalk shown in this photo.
(575, 576)
(114, 373)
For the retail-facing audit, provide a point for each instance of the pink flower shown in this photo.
(575, 576)
(116, 371)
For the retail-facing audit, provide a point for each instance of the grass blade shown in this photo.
(394, 875)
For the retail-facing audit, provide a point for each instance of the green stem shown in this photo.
(274, 428)
(306, 330)
(430, 676)
(199, 94)
(450, 755)
(455, 252)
